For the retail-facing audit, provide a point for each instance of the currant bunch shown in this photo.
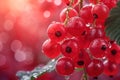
(80, 39)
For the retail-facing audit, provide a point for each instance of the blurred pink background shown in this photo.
(23, 25)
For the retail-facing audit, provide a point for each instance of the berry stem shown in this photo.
(71, 2)
(80, 5)
(67, 12)
(67, 16)
(94, 23)
(85, 76)
(38, 71)
(67, 77)
(98, 1)
(89, 53)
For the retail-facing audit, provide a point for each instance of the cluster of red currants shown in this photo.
(80, 41)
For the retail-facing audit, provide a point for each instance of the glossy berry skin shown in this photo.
(56, 31)
(100, 11)
(64, 66)
(51, 49)
(67, 2)
(82, 59)
(109, 3)
(94, 33)
(98, 47)
(95, 68)
(72, 12)
(114, 53)
(110, 68)
(76, 26)
(86, 14)
(70, 48)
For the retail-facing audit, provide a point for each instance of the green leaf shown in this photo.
(32, 78)
(118, 4)
(113, 24)
(115, 11)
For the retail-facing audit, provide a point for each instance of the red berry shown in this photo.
(110, 68)
(82, 59)
(72, 12)
(67, 2)
(56, 32)
(95, 68)
(94, 33)
(109, 3)
(100, 11)
(114, 53)
(50, 49)
(70, 48)
(86, 14)
(76, 26)
(65, 66)
(98, 48)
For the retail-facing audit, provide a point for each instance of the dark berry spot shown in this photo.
(67, 4)
(111, 76)
(68, 49)
(83, 33)
(58, 33)
(95, 78)
(103, 47)
(111, 42)
(95, 16)
(113, 52)
(80, 63)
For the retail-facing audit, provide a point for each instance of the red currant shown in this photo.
(50, 49)
(109, 3)
(86, 14)
(76, 26)
(110, 68)
(94, 33)
(98, 48)
(114, 53)
(65, 66)
(95, 68)
(70, 48)
(100, 11)
(82, 59)
(56, 31)
(68, 1)
(71, 13)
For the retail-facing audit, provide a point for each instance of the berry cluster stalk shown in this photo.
(31, 75)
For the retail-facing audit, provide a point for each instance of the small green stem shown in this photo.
(85, 76)
(67, 16)
(81, 3)
(67, 12)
